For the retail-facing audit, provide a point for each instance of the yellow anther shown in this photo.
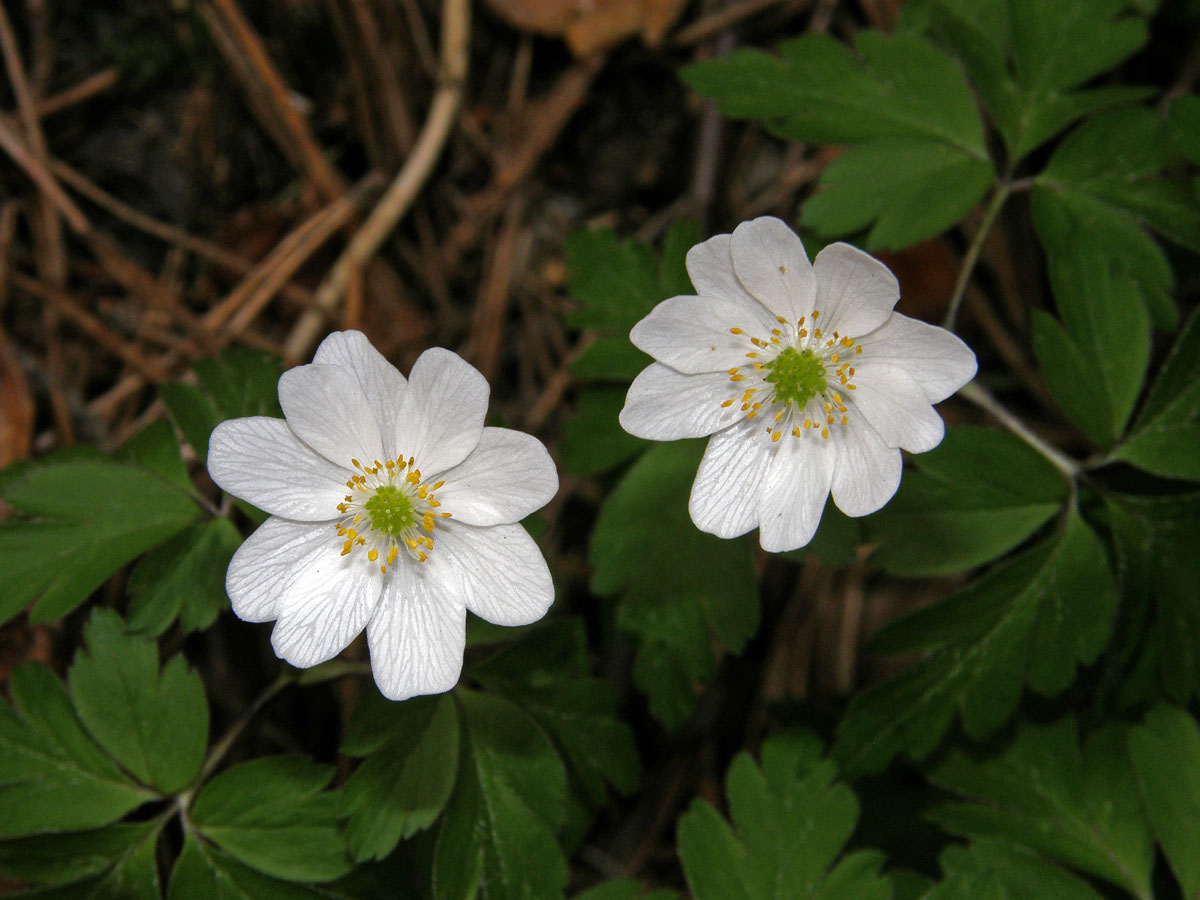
(728, 403)
(438, 485)
(851, 387)
(828, 406)
(393, 552)
(422, 557)
(782, 321)
(434, 503)
(833, 358)
(816, 313)
(837, 398)
(852, 370)
(779, 415)
(355, 463)
(829, 420)
(733, 371)
(737, 377)
(445, 515)
(736, 331)
(756, 406)
(801, 321)
(372, 554)
(776, 435)
(752, 414)
(845, 420)
(422, 491)
(858, 349)
(347, 547)
(776, 332)
(808, 423)
(795, 431)
(803, 332)
(825, 433)
(752, 355)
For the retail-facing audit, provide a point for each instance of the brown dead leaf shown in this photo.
(16, 407)
(590, 25)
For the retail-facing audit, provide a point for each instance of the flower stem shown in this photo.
(1003, 189)
(984, 400)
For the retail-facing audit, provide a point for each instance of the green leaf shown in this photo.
(1027, 58)
(593, 441)
(1155, 540)
(1165, 438)
(681, 591)
(154, 723)
(240, 382)
(53, 776)
(1105, 341)
(962, 507)
(1185, 126)
(77, 523)
(930, 187)
(403, 785)
(988, 870)
(546, 673)
(131, 873)
(902, 103)
(1078, 805)
(272, 814)
(183, 578)
(498, 833)
(72, 856)
(202, 872)
(1118, 159)
(155, 449)
(1029, 621)
(1165, 752)
(791, 821)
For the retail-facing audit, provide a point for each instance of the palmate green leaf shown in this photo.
(1165, 752)
(1076, 804)
(930, 186)
(203, 872)
(77, 523)
(406, 779)
(1096, 361)
(1030, 58)
(964, 506)
(546, 673)
(791, 820)
(272, 814)
(53, 775)
(65, 857)
(1165, 438)
(681, 590)
(154, 723)
(903, 103)
(1185, 126)
(1155, 540)
(183, 579)
(239, 382)
(155, 449)
(991, 870)
(1028, 622)
(131, 873)
(498, 832)
(592, 440)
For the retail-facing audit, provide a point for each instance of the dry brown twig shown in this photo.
(456, 21)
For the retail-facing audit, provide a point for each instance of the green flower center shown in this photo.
(797, 376)
(390, 510)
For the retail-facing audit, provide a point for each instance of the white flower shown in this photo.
(392, 508)
(806, 379)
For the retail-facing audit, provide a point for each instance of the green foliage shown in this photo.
(1028, 621)
(271, 814)
(791, 822)
(964, 504)
(53, 774)
(902, 105)
(240, 382)
(624, 890)
(154, 723)
(590, 442)
(77, 523)
(1165, 752)
(988, 870)
(498, 833)
(203, 872)
(1165, 438)
(183, 579)
(1076, 804)
(402, 786)
(680, 590)
(1030, 58)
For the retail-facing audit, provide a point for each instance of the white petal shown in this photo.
(855, 291)
(261, 461)
(692, 334)
(794, 492)
(326, 605)
(502, 574)
(771, 263)
(897, 408)
(328, 411)
(268, 562)
(418, 632)
(724, 498)
(866, 471)
(710, 266)
(937, 359)
(441, 416)
(381, 382)
(665, 405)
(507, 476)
